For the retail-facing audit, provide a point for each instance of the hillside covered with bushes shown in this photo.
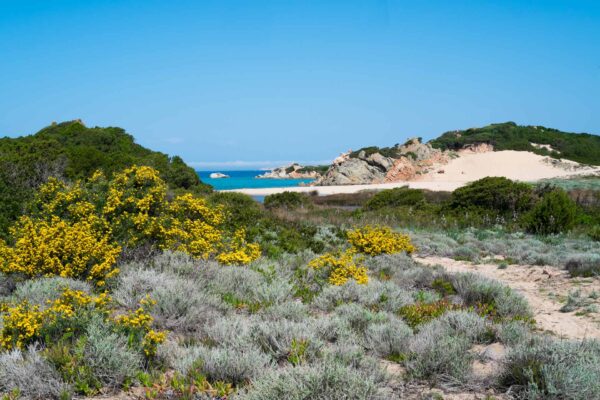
(581, 147)
(72, 151)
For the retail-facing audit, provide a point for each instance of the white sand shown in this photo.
(515, 165)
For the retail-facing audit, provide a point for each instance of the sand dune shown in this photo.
(517, 165)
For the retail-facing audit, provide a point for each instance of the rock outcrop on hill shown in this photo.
(373, 165)
(292, 171)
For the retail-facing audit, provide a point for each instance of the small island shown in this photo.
(218, 175)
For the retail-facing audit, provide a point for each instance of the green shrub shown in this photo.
(439, 353)
(384, 151)
(420, 313)
(224, 363)
(584, 265)
(396, 197)
(594, 233)
(554, 213)
(41, 291)
(496, 194)
(286, 200)
(242, 210)
(324, 380)
(109, 356)
(490, 297)
(552, 369)
(29, 374)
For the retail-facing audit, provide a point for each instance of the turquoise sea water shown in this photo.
(247, 180)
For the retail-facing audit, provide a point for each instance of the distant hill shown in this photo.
(415, 160)
(71, 150)
(581, 147)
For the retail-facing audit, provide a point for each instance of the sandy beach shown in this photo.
(516, 165)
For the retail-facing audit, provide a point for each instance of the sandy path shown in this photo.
(543, 287)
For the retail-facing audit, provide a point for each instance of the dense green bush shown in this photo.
(554, 213)
(286, 200)
(594, 233)
(396, 197)
(384, 151)
(494, 194)
(241, 210)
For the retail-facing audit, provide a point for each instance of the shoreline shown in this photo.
(338, 189)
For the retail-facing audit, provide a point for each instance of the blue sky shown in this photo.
(250, 84)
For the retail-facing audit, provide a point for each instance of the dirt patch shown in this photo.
(546, 289)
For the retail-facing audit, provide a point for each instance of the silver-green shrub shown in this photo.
(109, 356)
(42, 290)
(324, 380)
(31, 375)
(547, 368)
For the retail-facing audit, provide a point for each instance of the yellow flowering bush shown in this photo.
(135, 205)
(193, 227)
(138, 212)
(341, 267)
(375, 240)
(151, 341)
(72, 301)
(237, 251)
(138, 324)
(23, 323)
(76, 230)
(59, 247)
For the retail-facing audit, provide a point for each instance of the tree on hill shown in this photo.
(72, 151)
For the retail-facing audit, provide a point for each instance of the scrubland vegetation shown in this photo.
(118, 282)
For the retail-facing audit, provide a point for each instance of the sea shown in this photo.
(247, 180)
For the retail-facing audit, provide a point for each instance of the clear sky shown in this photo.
(258, 83)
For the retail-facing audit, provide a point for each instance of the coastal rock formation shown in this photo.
(292, 171)
(373, 165)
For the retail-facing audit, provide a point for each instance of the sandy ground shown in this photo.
(545, 288)
(516, 165)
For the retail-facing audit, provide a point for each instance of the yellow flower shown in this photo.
(151, 341)
(20, 324)
(59, 247)
(379, 240)
(341, 267)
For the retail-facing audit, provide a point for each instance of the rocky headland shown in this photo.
(384, 165)
(293, 171)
